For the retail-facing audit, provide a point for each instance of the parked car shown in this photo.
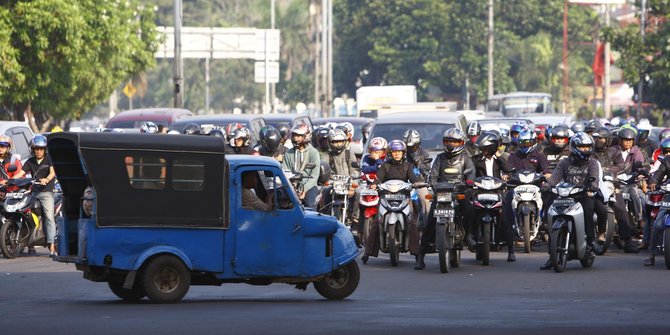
(21, 134)
(252, 121)
(430, 125)
(133, 119)
(168, 212)
(358, 122)
(291, 119)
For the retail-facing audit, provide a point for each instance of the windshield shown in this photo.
(525, 105)
(431, 133)
(134, 123)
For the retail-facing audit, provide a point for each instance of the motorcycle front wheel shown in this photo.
(558, 249)
(443, 251)
(601, 249)
(526, 234)
(394, 251)
(666, 247)
(486, 242)
(13, 239)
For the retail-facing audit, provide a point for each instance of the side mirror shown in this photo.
(355, 165)
(12, 168)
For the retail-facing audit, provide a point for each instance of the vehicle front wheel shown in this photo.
(394, 249)
(133, 295)
(13, 239)
(486, 242)
(340, 283)
(558, 252)
(666, 247)
(166, 279)
(443, 251)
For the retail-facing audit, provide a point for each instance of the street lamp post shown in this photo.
(178, 63)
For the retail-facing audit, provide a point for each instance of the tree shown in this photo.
(73, 54)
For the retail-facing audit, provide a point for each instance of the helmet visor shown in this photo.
(526, 143)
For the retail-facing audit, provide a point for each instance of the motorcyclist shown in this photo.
(579, 169)
(577, 127)
(298, 157)
(341, 161)
(453, 165)
(557, 148)
(41, 169)
(396, 167)
(240, 142)
(474, 129)
(611, 161)
(269, 144)
(321, 139)
(419, 158)
(592, 125)
(7, 159)
(284, 130)
(514, 132)
(656, 230)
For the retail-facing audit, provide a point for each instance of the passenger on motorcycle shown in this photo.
(341, 161)
(321, 141)
(453, 165)
(514, 132)
(298, 157)
(656, 231)
(396, 167)
(611, 162)
(367, 129)
(40, 168)
(474, 129)
(348, 129)
(557, 148)
(240, 142)
(580, 169)
(646, 145)
(487, 164)
(376, 156)
(527, 158)
(419, 158)
(633, 163)
(269, 144)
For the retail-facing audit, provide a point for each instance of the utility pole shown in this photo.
(329, 87)
(566, 95)
(178, 62)
(490, 49)
(324, 59)
(272, 86)
(640, 85)
(606, 75)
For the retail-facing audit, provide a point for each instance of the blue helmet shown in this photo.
(581, 140)
(665, 147)
(517, 127)
(527, 141)
(38, 141)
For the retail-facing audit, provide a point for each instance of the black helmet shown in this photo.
(602, 133)
(592, 125)
(627, 134)
(321, 138)
(488, 141)
(283, 129)
(577, 127)
(217, 132)
(559, 131)
(581, 140)
(192, 129)
(270, 138)
(411, 137)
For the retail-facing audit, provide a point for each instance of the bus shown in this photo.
(520, 103)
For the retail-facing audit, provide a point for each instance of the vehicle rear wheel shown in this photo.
(13, 239)
(443, 251)
(526, 234)
(601, 249)
(340, 283)
(486, 242)
(133, 295)
(394, 251)
(455, 258)
(166, 279)
(558, 252)
(666, 247)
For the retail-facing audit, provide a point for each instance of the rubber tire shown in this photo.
(157, 268)
(5, 244)
(443, 252)
(486, 243)
(666, 247)
(365, 229)
(587, 261)
(558, 238)
(526, 234)
(327, 288)
(609, 235)
(337, 213)
(455, 258)
(393, 247)
(133, 295)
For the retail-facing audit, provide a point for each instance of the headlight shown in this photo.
(564, 191)
(526, 178)
(444, 197)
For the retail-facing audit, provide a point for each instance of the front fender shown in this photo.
(161, 249)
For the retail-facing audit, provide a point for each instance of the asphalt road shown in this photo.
(617, 296)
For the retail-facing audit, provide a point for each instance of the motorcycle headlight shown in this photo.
(444, 197)
(526, 178)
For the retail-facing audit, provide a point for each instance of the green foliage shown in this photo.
(73, 54)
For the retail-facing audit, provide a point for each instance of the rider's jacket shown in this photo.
(576, 171)
(370, 165)
(456, 168)
(401, 170)
(610, 160)
(499, 166)
(554, 154)
(246, 150)
(470, 148)
(634, 159)
(340, 163)
(417, 159)
(533, 161)
(663, 171)
(647, 149)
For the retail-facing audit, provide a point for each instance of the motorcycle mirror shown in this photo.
(12, 168)
(355, 165)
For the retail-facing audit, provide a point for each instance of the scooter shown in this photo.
(487, 202)
(449, 233)
(395, 216)
(663, 244)
(368, 203)
(23, 227)
(568, 234)
(611, 233)
(526, 203)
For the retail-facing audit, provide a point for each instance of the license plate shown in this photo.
(14, 195)
(444, 213)
(664, 204)
(394, 197)
(367, 191)
(564, 202)
(487, 197)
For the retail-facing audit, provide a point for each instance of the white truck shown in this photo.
(370, 99)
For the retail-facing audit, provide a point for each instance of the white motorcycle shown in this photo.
(527, 203)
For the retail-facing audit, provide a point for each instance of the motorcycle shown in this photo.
(394, 217)
(487, 203)
(368, 203)
(625, 182)
(527, 203)
(663, 244)
(611, 233)
(449, 233)
(568, 234)
(23, 226)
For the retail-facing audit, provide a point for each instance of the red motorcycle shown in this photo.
(369, 201)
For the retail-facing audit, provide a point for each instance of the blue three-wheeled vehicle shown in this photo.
(164, 212)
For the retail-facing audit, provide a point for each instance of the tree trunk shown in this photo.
(29, 117)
